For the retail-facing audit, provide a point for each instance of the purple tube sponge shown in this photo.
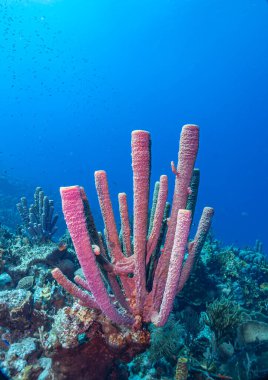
(133, 277)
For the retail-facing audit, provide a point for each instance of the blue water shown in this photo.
(78, 76)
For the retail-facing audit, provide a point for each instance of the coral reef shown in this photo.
(20, 259)
(218, 328)
(15, 308)
(36, 312)
(220, 335)
(39, 224)
(88, 333)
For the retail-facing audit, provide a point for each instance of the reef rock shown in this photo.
(253, 332)
(15, 308)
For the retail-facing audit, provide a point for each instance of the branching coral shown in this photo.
(116, 275)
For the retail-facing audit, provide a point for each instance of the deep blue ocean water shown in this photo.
(78, 76)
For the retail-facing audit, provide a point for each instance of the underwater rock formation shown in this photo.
(253, 332)
(102, 260)
(24, 259)
(81, 335)
(15, 308)
(39, 224)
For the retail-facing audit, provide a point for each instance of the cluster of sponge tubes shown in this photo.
(133, 277)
